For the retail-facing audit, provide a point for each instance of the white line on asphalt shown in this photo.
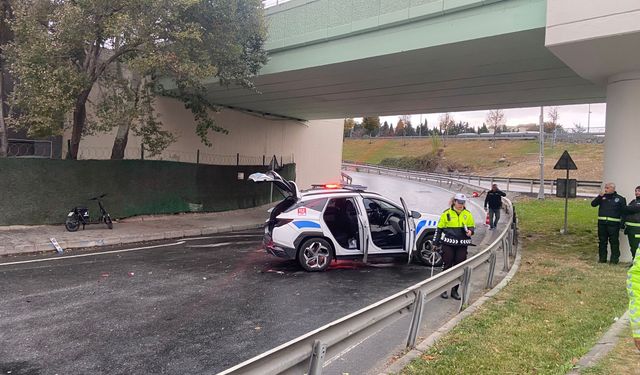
(208, 238)
(92, 254)
(212, 245)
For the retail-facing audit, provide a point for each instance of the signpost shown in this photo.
(565, 162)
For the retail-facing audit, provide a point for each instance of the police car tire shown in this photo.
(315, 241)
(425, 256)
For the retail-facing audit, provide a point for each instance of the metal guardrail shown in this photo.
(307, 353)
(534, 184)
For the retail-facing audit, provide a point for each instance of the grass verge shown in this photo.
(552, 312)
(623, 359)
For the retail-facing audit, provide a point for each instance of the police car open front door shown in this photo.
(409, 231)
(363, 221)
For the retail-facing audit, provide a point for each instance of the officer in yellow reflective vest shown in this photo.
(610, 210)
(632, 222)
(633, 290)
(454, 231)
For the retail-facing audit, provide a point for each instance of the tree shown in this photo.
(445, 121)
(384, 130)
(495, 121)
(553, 115)
(63, 48)
(349, 124)
(400, 128)
(578, 128)
(6, 15)
(371, 125)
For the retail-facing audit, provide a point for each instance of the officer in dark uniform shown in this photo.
(632, 223)
(611, 208)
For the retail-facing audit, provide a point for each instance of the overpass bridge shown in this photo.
(347, 58)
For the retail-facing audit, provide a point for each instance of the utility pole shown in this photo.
(589, 119)
(541, 139)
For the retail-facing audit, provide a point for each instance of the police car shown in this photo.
(336, 221)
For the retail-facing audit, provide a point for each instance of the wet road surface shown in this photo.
(195, 306)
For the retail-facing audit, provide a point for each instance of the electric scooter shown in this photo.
(80, 215)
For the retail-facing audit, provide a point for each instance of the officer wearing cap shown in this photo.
(454, 231)
(610, 210)
(632, 222)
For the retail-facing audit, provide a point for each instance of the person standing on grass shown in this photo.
(633, 290)
(493, 202)
(632, 223)
(611, 206)
(454, 231)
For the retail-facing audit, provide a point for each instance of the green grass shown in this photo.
(510, 158)
(551, 313)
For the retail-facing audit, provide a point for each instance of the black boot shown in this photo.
(454, 293)
(444, 295)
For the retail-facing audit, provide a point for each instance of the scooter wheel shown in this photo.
(72, 224)
(107, 220)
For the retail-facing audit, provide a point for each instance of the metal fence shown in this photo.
(308, 353)
(514, 184)
(195, 156)
(26, 148)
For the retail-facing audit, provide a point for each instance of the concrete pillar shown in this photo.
(622, 142)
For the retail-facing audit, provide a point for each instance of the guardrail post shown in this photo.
(479, 181)
(492, 269)
(531, 184)
(416, 320)
(505, 254)
(317, 358)
(508, 182)
(466, 286)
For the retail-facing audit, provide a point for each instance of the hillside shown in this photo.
(510, 158)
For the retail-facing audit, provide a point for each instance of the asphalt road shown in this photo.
(195, 306)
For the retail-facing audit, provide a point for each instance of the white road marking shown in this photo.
(212, 244)
(214, 237)
(92, 254)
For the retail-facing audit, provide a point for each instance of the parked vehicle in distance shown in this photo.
(337, 221)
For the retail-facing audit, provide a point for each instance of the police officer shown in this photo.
(493, 203)
(632, 223)
(612, 206)
(454, 231)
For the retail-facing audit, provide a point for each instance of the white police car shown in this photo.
(338, 221)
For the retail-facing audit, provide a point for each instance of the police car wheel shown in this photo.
(315, 254)
(428, 255)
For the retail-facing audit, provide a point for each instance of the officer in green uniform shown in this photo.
(454, 231)
(610, 211)
(632, 223)
(633, 290)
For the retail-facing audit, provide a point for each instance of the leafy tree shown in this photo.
(371, 125)
(400, 128)
(392, 132)
(349, 124)
(63, 48)
(6, 16)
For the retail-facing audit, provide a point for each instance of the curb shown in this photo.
(123, 240)
(427, 343)
(603, 346)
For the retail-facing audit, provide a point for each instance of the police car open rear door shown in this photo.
(409, 231)
(287, 187)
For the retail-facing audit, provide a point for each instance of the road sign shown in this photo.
(561, 186)
(565, 162)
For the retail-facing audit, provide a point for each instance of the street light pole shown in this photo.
(541, 138)
(589, 119)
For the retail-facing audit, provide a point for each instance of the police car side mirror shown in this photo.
(415, 215)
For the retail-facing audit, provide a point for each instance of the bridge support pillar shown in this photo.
(622, 144)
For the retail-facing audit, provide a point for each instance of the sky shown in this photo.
(568, 116)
